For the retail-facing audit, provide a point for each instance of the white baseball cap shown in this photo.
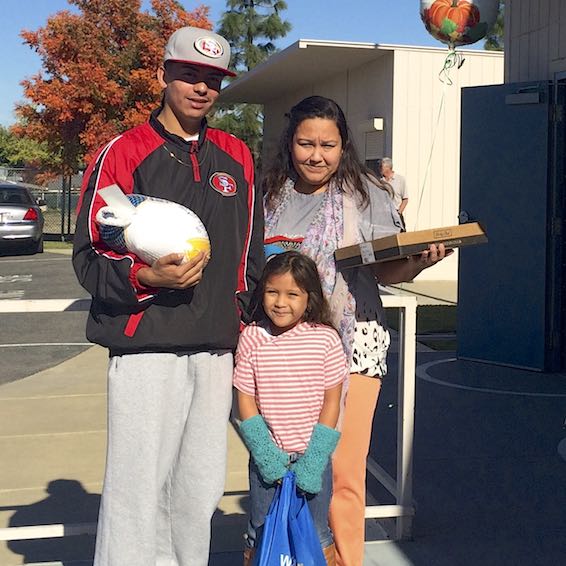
(198, 46)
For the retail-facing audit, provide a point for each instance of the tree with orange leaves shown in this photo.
(98, 73)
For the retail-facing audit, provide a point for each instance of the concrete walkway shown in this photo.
(489, 475)
(489, 472)
(52, 441)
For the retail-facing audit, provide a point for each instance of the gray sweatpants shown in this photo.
(166, 458)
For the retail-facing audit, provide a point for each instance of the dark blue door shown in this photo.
(508, 298)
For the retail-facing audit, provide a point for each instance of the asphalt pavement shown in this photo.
(489, 457)
(34, 341)
(489, 466)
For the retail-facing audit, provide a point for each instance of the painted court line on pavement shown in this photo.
(4, 491)
(48, 397)
(31, 345)
(422, 374)
(43, 305)
(16, 278)
(50, 434)
(51, 259)
(14, 294)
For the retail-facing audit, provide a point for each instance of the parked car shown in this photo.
(21, 219)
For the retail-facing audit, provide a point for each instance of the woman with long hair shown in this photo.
(319, 197)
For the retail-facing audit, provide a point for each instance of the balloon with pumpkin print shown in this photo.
(459, 22)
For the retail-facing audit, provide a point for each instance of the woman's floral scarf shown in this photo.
(324, 235)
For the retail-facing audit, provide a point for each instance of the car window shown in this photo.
(14, 196)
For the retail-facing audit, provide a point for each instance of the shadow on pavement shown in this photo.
(67, 502)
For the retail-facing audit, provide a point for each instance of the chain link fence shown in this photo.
(58, 199)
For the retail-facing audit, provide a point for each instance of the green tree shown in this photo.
(494, 39)
(17, 151)
(6, 141)
(251, 27)
(98, 73)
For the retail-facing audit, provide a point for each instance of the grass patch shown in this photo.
(431, 319)
(52, 219)
(58, 245)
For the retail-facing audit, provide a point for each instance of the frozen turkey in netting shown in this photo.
(150, 227)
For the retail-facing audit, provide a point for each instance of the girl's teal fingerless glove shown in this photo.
(311, 465)
(271, 461)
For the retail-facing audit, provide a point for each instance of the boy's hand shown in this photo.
(168, 272)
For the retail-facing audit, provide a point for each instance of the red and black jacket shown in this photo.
(128, 318)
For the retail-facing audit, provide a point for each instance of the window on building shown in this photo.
(374, 165)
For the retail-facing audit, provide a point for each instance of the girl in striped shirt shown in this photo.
(290, 366)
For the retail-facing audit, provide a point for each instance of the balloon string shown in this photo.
(453, 59)
(436, 127)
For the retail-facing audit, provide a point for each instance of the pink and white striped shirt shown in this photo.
(288, 375)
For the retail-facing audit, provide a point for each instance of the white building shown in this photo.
(535, 40)
(396, 105)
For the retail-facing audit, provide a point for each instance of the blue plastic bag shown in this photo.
(289, 536)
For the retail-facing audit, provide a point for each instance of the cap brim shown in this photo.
(199, 64)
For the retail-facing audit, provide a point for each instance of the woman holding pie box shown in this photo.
(318, 198)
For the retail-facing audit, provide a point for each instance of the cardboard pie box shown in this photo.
(404, 244)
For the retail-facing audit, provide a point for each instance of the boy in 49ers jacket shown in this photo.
(171, 328)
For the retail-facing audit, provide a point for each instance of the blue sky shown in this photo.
(379, 21)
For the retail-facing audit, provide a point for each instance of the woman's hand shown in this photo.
(429, 257)
(168, 272)
(400, 270)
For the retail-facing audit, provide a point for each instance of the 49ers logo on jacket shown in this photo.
(224, 184)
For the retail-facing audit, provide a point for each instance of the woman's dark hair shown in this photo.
(305, 273)
(350, 172)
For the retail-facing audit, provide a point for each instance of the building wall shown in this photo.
(426, 135)
(362, 93)
(370, 95)
(402, 86)
(535, 39)
(274, 122)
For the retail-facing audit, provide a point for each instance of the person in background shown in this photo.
(171, 327)
(319, 197)
(398, 185)
(290, 366)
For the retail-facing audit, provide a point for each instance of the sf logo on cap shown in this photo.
(224, 184)
(209, 47)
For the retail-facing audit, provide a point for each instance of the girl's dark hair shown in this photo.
(350, 172)
(305, 273)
